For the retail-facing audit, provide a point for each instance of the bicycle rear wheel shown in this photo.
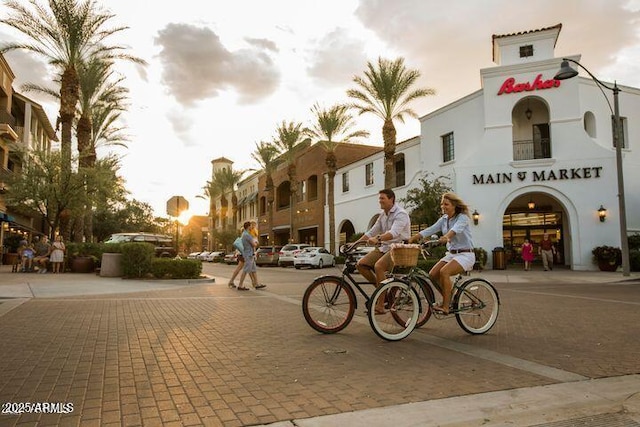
(476, 305)
(328, 305)
(401, 303)
(426, 298)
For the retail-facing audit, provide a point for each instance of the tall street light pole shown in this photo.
(566, 72)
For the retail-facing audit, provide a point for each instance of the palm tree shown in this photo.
(101, 102)
(66, 34)
(229, 180)
(386, 91)
(331, 127)
(266, 155)
(289, 136)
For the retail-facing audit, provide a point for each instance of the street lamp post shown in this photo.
(566, 72)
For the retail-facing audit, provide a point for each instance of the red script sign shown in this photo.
(510, 85)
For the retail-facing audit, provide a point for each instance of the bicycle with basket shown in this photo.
(475, 301)
(330, 301)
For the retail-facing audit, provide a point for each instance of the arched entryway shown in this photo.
(530, 216)
(345, 231)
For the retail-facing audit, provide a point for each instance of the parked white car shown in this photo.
(315, 257)
(193, 255)
(285, 257)
(214, 256)
(202, 256)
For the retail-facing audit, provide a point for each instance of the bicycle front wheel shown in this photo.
(476, 305)
(402, 310)
(328, 305)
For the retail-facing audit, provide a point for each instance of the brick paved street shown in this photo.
(203, 354)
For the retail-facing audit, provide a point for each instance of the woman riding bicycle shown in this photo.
(455, 227)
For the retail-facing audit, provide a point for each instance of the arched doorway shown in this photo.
(530, 216)
(345, 231)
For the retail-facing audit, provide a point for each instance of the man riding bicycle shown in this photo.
(393, 226)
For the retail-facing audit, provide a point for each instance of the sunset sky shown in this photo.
(222, 75)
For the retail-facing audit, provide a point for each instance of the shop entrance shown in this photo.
(530, 220)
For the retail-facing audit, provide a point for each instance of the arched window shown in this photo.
(589, 123)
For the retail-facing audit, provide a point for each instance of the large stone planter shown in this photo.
(111, 265)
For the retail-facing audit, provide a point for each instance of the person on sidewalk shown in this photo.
(527, 254)
(547, 252)
(43, 250)
(56, 259)
(249, 244)
(455, 227)
(237, 245)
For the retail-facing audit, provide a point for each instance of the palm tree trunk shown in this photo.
(389, 137)
(69, 95)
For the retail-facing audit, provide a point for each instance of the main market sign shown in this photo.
(589, 172)
(510, 85)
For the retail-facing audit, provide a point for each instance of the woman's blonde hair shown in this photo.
(457, 202)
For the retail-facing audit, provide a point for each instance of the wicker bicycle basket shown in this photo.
(405, 255)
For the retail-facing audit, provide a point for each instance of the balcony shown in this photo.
(532, 149)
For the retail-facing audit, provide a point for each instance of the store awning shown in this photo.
(252, 197)
(6, 217)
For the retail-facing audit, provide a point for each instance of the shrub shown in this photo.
(634, 260)
(607, 254)
(136, 259)
(481, 258)
(169, 268)
(634, 241)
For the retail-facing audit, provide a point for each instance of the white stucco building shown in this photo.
(529, 153)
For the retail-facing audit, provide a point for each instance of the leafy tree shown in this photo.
(127, 216)
(332, 126)
(424, 201)
(386, 91)
(46, 186)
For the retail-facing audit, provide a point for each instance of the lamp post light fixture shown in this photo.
(602, 213)
(476, 217)
(566, 72)
(531, 204)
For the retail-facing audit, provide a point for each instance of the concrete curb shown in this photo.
(522, 407)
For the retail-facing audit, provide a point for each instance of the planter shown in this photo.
(608, 266)
(10, 258)
(82, 264)
(111, 265)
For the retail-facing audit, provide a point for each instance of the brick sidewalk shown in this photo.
(206, 355)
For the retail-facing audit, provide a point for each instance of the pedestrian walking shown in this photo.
(527, 254)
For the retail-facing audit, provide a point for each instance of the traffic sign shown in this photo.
(176, 205)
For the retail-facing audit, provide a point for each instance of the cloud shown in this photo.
(181, 123)
(336, 58)
(196, 66)
(450, 44)
(29, 69)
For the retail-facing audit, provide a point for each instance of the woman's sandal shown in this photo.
(242, 288)
(439, 309)
(232, 285)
